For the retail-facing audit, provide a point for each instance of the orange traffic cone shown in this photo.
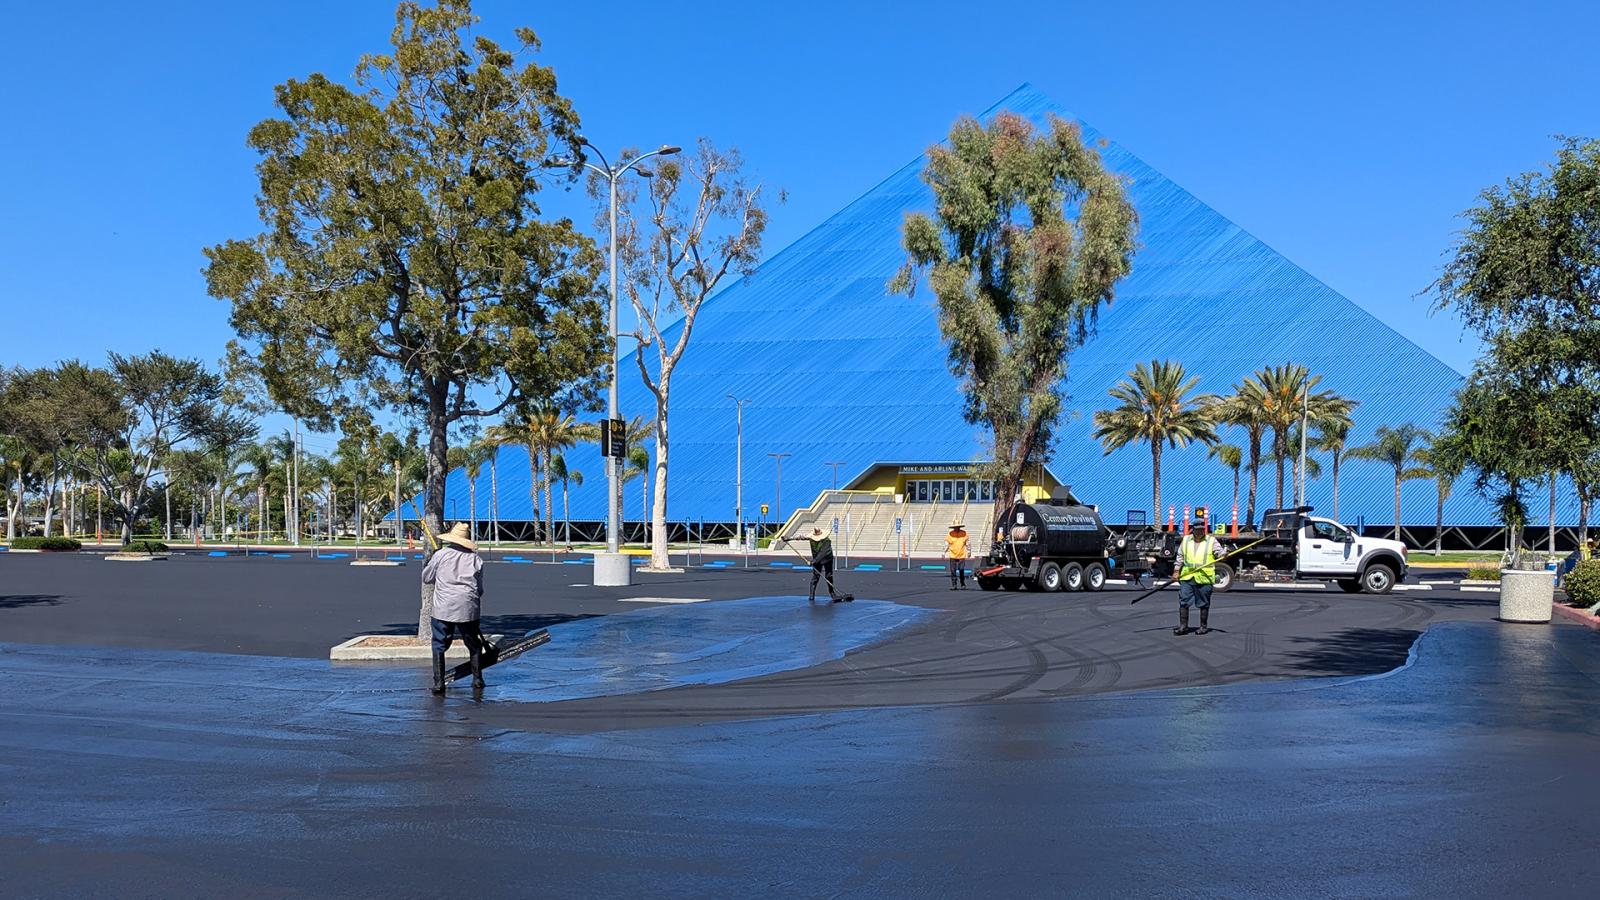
(1234, 530)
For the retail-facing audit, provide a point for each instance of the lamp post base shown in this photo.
(612, 570)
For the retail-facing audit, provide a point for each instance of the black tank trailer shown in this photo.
(1061, 544)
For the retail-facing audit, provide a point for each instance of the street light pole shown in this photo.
(738, 470)
(835, 466)
(613, 174)
(1305, 417)
(777, 504)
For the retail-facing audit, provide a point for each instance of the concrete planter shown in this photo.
(1526, 596)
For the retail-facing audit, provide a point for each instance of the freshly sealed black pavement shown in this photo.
(920, 743)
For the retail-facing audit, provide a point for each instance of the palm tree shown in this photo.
(1397, 448)
(560, 472)
(1245, 408)
(1157, 409)
(1331, 436)
(639, 464)
(473, 456)
(547, 429)
(1232, 456)
(1444, 466)
(1287, 399)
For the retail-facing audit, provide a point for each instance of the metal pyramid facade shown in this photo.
(839, 369)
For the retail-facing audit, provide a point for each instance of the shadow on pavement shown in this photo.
(1353, 651)
(17, 601)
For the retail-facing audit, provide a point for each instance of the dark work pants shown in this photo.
(958, 572)
(1191, 594)
(822, 568)
(444, 632)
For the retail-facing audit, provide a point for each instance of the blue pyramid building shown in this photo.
(840, 370)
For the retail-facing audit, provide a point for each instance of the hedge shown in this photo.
(1583, 583)
(1483, 573)
(45, 543)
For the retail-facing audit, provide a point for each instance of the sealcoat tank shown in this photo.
(1058, 528)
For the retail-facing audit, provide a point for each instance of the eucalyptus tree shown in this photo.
(1029, 236)
(404, 261)
(696, 223)
(1525, 274)
(1158, 407)
(1401, 449)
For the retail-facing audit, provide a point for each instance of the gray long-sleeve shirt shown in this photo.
(457, 579)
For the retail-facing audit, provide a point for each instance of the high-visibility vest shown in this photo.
(1199, 560)
(956, 545)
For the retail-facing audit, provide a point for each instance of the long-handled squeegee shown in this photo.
(1179, 571)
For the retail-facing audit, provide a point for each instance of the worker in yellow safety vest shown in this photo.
(955, 550)
(1198, 552)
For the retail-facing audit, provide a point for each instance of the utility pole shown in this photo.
(777, 504)
(1305, 416)
(738, 469)
(399, 513)
(295, 478)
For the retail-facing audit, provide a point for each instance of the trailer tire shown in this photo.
(1224, 577)
(1011, 584)
(1049, 577)
(1072, 577)
(1094, 577)
(1377, 579)
(987, 584)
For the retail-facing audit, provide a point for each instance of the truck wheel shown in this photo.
(1350, 585)
(987, 584)
(1072, 577)
(1050, 577)
(1011, 584)
(1377, 579)
(1224, 577)
(1094, 577)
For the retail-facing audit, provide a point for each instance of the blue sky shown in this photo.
(1347, 136)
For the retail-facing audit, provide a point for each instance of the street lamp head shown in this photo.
(560, 162)
(668, 150)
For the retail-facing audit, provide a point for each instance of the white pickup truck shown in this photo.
(1294, 545)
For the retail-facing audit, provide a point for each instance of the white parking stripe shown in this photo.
(662, 599)
(1483, 590)
(1291, 586)
(1413, 587)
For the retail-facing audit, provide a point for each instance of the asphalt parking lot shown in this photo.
(169, 726)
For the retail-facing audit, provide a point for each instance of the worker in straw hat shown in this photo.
(822, 565)
(955, 550)
(456, 572)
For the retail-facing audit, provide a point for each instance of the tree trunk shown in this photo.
(1397, 504)
(533, 487)
(128, 515)
(1583, 519)
(1336, 486)
(566, 514)
(433, 496)
(1235, 491)
(1280, 446)
(658, 515)
(1438, 522)
(1155, 476)
(549, 507)
(1255, 471)
(16, 504)
(472, 500)
(1552, 513)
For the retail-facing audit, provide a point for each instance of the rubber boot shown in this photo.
(1205, 613)
(477, 669)
(438, 673)
(1183, 621)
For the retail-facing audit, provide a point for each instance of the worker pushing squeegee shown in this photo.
(1197, 572)
(821, 563)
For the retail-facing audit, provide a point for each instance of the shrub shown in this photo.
(145, 547)
(1483, 573)
(1583, 583)
(45, 543)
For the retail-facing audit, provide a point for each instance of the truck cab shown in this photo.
(1326, 550)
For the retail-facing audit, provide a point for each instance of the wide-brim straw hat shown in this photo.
(459, 536)
(817, 534)
(957, 524)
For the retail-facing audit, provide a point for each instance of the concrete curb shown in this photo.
(134, 557)
(1574, 614)
(375, 562)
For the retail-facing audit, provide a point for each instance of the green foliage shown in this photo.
(56, 544)
(1018, 281)
(1525, 274)
(1582, 584)
(144, 546)
(1157, 408)
(1483, 573)
(404, 261)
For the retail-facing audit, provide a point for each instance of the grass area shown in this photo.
(1455, 558)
